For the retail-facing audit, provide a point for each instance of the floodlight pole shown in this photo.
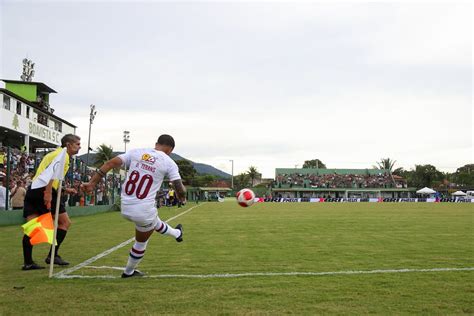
(126, 139)
(91, 120)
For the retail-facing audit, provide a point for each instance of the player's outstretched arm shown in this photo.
(180, 190)
(106, 167)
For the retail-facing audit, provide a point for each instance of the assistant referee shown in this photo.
(38, 202)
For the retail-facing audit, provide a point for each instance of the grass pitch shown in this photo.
(223, 238)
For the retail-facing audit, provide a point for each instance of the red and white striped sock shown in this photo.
(136, 255)
(166, 229)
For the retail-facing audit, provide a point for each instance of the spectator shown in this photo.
(100, 194)
(3, 194)
(171, 201)
(31, 164)
(2, 159)
(18, 196)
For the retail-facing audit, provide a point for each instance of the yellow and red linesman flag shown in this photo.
(40, 229)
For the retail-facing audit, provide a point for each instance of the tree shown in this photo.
(425, 176)
(399, 171)
(203, 180)
(386, 164)
(104, 154)
(464, 176)
(253, 173)
(315, 163)
(186, 170)
(241, 181)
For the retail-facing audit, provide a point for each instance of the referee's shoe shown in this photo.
(57, 260)
(31, 266)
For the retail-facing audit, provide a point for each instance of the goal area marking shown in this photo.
(65, 272)
(259, 274)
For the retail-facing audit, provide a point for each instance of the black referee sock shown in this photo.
(27, 250)
(60, 235)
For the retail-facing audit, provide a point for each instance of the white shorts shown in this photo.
(144, 217)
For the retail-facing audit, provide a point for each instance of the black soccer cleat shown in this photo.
(57, 260)
(180, 227)
(31, 266)
(135, 273)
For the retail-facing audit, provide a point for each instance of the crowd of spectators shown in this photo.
(105, 193)
(22, 166)
(381, 180)
(22, 170)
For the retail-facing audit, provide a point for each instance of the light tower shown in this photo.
(92, 115)
(126, 138)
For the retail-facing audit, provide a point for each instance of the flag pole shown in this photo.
(56, 217)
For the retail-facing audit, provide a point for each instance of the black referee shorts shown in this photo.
(34, 203)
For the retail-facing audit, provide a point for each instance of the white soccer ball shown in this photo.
(245, 197)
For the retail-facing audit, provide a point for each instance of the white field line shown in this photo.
(257, 274)
(105, 267)
(65, 272)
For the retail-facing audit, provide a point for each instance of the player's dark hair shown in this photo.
(166, 140)
(69, 138)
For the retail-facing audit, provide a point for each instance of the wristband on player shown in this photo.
(101, 173)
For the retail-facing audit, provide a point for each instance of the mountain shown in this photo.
(201, 168)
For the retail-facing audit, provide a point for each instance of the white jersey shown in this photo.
(147, 168)
(3, 197)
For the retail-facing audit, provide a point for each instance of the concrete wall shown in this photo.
(16, 217)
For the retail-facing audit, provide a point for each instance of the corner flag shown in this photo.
(55, 170)
(40, 229)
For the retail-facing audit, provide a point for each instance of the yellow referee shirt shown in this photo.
(47, 161)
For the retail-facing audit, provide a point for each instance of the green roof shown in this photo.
(41, 86)
(214, 189)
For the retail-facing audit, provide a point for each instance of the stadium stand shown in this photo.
(23, 167)
(308, 182)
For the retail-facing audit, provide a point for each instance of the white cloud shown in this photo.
(420, 34)
(266, 84)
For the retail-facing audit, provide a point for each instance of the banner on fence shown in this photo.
(370, 200)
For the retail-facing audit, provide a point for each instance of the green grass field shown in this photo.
(223, 238)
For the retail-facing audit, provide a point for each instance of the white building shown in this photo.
(27, 119)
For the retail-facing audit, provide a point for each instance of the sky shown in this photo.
(265, 84)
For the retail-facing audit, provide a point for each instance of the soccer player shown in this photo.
(147, 168)
(38, 202)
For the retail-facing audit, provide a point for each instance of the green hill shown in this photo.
(201, 168)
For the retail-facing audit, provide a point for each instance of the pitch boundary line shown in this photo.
(258, 274)
(64, 273)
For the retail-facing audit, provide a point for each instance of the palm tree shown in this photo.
(253, 173)
(241, 181)
(104, 154)
(386, 164)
